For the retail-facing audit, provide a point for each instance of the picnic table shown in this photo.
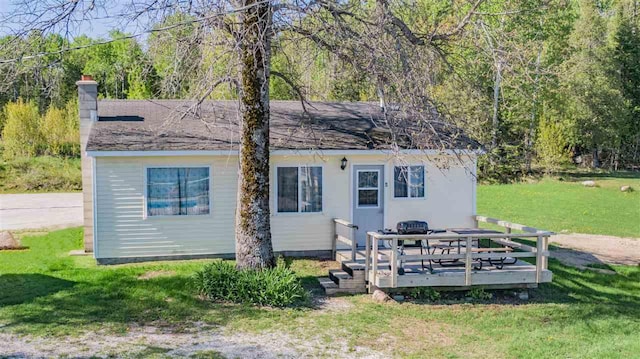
(499, 263)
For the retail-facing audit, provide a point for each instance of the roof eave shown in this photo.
(290, 152)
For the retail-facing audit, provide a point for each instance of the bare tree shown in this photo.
(382, 39)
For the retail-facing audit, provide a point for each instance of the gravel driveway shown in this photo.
(44, 210)
(580, 250)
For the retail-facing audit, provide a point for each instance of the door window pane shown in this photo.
(177, 191)
(367, 179)
(287, 189)
(368, 198)
(368, 188)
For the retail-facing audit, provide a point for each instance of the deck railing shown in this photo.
(509, 225)
(345, 233)
(373, 253)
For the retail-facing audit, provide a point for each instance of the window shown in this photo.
(368, 188)
(299, 189)
(408, 182)
(177, 191)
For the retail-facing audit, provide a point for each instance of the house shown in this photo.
(160, 176)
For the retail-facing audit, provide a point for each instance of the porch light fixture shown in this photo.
(343, 164)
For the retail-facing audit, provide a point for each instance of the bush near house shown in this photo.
(277, 287)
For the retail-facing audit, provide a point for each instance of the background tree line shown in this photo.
(542, 84)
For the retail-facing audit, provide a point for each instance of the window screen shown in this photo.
(299, 189)
(408, 181)
(179, 191)
(288, 189)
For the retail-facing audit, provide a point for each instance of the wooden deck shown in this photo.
(393, 267)
(520, 274)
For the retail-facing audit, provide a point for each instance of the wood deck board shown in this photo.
(457, 279)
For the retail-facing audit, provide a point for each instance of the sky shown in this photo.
(94, 28)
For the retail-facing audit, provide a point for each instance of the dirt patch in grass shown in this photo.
(198, 340)
(330, 304)
(429, 335)
(155, 274)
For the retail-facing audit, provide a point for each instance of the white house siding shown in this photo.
(124, 232)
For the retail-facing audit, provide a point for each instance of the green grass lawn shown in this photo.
(43, 291)
(567, 205)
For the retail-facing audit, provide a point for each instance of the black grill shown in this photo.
(412, 227)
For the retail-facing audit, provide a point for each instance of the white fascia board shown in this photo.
(161, 153)
(279, 152)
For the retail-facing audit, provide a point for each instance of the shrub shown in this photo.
(503, 164)
(425, 293)
(222, 281)
(552, 146)
(2, 122)
(53, 130)
(480, 294)
(72, 137)
(60, 131)
(21, 134)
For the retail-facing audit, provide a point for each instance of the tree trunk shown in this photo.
(253, 229)
(495, 123)
(596, 160)
(531, 134)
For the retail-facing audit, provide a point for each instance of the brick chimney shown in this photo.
(88, 110)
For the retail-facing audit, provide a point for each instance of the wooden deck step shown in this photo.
(341, 278)
(344, 280)
(359, 266)
(355, 269)
(331, 288)
(337, 274)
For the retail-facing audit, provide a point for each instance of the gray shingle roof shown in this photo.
(162, 125)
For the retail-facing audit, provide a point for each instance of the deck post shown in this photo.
(394, 262)
(334, 243)
(367, 257)
(374, 271)
(539, 264)
(354, 244)
(467, 261)
(545, 248)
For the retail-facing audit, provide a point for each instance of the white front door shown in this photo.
(368, 200)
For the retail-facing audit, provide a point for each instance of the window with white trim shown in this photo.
(299, 189)
(408, 182)
(178, 191)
